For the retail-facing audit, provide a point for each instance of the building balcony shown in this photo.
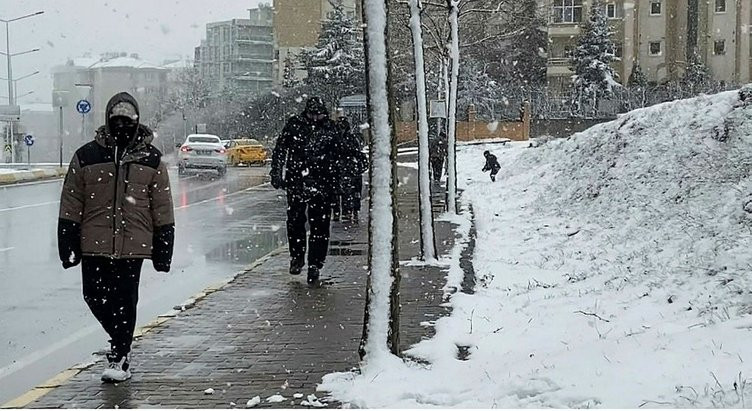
(258, 41)
(253, 77)
(558, 61)
(558, 67)
(564, 29)
(253, 59)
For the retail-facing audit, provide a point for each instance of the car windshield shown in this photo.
(214, 140)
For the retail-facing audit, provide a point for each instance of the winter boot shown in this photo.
(296, 265)
(313, 274)
(117, 371)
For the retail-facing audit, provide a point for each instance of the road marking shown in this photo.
(2, 210)
(39, 354)
(2, 250)
(222, 196)
(31, 183)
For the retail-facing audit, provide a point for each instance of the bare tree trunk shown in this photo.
(452, 134)
(427, 239)
(381, 322)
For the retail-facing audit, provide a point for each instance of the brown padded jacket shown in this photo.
(117, 204)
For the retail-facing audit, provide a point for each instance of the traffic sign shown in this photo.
(437, 109)
(29, 140)
(83, 106)
(8, 148)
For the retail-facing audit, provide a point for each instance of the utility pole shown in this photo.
(8, 55)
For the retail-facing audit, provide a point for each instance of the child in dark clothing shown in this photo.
(492, 164)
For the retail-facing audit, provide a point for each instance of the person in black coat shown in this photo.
(437, 151)
(352, 164)
(492, 164)
(307, 153)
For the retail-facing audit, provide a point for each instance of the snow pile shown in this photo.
(612, 273)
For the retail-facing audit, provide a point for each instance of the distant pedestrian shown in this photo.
(437, 153)
(115, 211)
(352, 164)
(492, 164)
(307, 153)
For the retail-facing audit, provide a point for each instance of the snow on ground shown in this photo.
(8, 171)
(613, 273)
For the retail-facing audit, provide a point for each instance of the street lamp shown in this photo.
(15, 82)
(8, 53)
(23, 95)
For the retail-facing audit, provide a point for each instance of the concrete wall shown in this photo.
(562, 127)
(475, 130)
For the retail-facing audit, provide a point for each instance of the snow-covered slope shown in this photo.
(614, 268)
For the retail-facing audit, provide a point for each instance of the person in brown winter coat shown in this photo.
(116, 211)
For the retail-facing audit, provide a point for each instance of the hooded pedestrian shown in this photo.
(352, 164)
(492, 164)
(115, 212)
(437, 151)
(305, 163)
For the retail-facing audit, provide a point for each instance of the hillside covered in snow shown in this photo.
(613, 271)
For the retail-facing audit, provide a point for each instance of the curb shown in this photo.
(46, 387)
(31, 175)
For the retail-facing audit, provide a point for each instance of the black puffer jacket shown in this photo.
(307, 152)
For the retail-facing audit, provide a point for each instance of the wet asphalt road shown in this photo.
(222, 225)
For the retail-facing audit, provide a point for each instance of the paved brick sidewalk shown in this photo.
(266, 332)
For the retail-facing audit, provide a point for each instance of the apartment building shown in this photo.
(660, 34)
(239, 53)
(97, 80)
(297, 24)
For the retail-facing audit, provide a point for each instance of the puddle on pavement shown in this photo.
(249, 249)
(345, 248)
(342, 251)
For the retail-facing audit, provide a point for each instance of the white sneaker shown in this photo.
(117, 371)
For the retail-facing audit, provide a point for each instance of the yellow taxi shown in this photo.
(245, 151)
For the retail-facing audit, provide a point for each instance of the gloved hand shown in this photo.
(277, 182)
(162, 267)
(73, 260)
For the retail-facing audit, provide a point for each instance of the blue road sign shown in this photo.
(29, 140)
(83, 106)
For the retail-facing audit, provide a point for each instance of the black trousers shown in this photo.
(110, 288)
(437, 166)
(316, 210)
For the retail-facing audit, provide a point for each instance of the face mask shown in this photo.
(123, 129)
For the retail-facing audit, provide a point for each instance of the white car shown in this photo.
(202, 152)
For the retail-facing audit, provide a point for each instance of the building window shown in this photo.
(567, 11)
(655, 8)
(720, 6)
(611, 10)
(719, 47)
(654, 48)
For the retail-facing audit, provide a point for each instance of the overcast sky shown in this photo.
(155, 29)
